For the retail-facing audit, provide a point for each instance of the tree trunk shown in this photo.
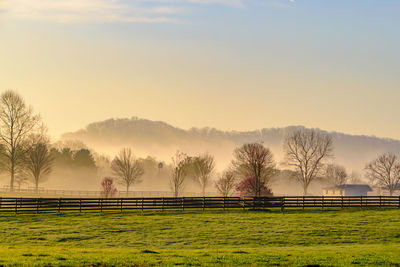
(257, 186)
(176, 192)
(36, 185)
(12, 172)
(305, 187)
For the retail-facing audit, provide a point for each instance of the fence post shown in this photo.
(323, 202)
(142, 203)
(224, 202)
(303, 202)
(204, 203)
(380, 201)
(16, 205)
(163, 204)
(37, 205)
(361, 201)
(399, 202)
(342, 201)
(101, 205)
(121, 204)
(59, 205)
(283, 204)
(80, 205)
(183, 203)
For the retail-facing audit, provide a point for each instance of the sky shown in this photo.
(228, 64)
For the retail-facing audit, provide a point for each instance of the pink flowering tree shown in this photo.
(248, 188)
(108, 188)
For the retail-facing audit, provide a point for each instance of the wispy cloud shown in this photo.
(145, 11)
(88, 11)
(233, 3)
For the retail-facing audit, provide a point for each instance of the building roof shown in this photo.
(363, 187)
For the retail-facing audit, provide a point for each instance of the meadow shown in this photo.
(310, 237)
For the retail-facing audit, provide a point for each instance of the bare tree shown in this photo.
(226, 183)
(38, 160)
(385, 172)
(355, 178)
(16, 123)
(336, 174)
(108, 188)
(203, 169)
(305, 151)
(127, 168)
(180, 171)
(254, 160)
(20, 179)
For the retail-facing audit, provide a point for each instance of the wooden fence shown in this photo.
(37, 205)
(54, 193)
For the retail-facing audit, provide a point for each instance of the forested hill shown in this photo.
(162, 140)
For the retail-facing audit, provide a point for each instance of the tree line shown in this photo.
(307, 155)
(27, 153)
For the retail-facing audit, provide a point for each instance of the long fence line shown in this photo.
(37, 205)
(49, 193)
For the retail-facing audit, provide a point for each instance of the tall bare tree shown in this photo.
(254, 160)
(181, 168)
(17, 121)
(385, 172)
(305, 151)
(226, 183)
(336, 174)
(203, 169)
(38, 161)
(127, 168)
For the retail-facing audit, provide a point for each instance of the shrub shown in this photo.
(109, 189)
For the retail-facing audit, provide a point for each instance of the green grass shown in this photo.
(297, 237)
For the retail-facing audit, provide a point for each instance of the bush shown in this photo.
(109, 189)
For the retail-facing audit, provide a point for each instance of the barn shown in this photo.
(347, 190)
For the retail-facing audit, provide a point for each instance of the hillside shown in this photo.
(162, 140)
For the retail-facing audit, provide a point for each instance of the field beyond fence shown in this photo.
(20, 205)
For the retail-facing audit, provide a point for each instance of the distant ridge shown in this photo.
(160, 139)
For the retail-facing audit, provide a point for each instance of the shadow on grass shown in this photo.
(36, 216)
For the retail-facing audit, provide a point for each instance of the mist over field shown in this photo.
(161, 141)
(155, 142)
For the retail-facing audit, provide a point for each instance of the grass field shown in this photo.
(297, 237)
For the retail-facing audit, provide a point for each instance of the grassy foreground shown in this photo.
(297, 237)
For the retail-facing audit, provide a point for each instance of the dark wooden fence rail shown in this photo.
(20, 205)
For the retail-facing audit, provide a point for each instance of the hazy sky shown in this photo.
(229, 64)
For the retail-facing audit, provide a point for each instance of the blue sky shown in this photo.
(230, 64)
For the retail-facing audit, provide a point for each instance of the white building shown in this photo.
(347, 190)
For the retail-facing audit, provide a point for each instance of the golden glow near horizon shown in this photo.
(224, 64)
